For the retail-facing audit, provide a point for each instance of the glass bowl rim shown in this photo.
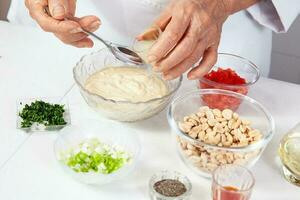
(157, 174)
(251, 64)
(114, 101)
(234, 165)
(257, 145)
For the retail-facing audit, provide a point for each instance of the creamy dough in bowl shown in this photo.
(126, 84)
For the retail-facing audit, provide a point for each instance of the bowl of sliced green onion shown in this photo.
(97, 153)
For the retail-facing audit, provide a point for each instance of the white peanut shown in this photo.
(220, 128)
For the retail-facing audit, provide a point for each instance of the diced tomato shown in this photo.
(226, 77)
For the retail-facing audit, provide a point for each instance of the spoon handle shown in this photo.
(107, 44)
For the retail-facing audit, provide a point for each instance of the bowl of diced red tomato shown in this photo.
(231, 72)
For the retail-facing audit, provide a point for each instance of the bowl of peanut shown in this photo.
(208, 137)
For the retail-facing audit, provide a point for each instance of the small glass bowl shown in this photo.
(142, 47)
(41, 128)
(118, 110)
(238, 179)
(204, 158)
(108, 132)
(243, 67)
(154, 195)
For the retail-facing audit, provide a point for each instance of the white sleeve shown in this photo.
(277, 15)
(18, 14)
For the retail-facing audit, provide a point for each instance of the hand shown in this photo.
(68, 31)
(191, 31)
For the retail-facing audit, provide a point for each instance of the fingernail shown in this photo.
(192, 77)
(87, 46)
(139, 38)
(152, 59)
(95, 25)
(155, 67)
(58, 11)
(76, 30)
(167, 77)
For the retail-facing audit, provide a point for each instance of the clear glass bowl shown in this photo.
(289, 151)
(117, 110)
(109, 132)
(242, 67)
(154, 195)
(203, 158)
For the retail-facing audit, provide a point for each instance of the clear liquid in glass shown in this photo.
(289, 152)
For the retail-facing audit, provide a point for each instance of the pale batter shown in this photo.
(126, 84)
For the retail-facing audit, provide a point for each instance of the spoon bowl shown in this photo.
(120, 52)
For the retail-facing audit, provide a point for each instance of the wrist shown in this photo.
(218, 9)
(233, 6)
(228, 6)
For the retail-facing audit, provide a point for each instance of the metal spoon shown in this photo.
(120, 52)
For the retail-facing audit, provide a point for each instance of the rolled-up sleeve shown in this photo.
(277, 15)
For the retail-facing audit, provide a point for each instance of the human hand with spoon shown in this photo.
(68, 31)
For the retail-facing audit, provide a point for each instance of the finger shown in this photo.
(85, 43)
(71, 38)
(185, 65)
(90, 23)
(163, 20)
(209, 59)
(71, 7)
(49, 24)
(182, 50)
(160, 23)
(150, 34)
(58, 8)
(169, 38)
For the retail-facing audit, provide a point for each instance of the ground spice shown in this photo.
(170, 188)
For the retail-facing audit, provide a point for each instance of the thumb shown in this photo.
(155, 30)
(151, 33)
(58, 8)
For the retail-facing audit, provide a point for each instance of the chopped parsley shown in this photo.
(42, 113)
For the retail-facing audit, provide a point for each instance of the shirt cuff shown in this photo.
(277, 15)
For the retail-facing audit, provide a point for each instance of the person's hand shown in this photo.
(68, 31)
(191, 31)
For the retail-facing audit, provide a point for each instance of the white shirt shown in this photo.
(246, 33)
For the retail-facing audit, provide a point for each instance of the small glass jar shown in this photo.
(232, 182)
(289, 152)
(163, 175)
(143, 45)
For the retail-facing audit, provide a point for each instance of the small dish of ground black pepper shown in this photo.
(167, 185)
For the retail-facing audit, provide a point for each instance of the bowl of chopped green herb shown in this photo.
(97, 153)
(42, 114)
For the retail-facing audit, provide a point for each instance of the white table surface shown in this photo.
(35, 64)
